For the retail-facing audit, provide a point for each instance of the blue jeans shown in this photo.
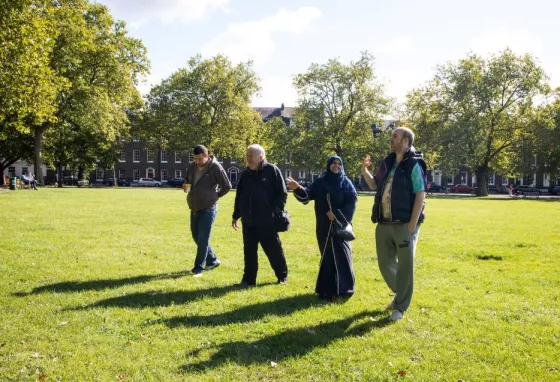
(201, 227)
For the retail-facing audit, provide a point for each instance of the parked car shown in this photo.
(555, 190)
(149, 182)
(83, 183)
(434, 187)
(176, 182)
(520, 190)
(120, 182)
(462, 189)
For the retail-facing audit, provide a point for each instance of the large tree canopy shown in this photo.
(337, 104)
(208, 102)
(476, 112)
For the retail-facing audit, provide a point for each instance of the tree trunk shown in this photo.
(59, 172)
(39, 132)
(482, 180)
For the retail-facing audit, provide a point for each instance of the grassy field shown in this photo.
(95, 286)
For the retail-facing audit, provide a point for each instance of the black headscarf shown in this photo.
(333, 182)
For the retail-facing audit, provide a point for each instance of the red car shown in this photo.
(462, 189)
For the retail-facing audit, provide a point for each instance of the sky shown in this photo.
(408, 38)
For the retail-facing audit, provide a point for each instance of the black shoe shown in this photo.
(282, 281)
(244, 284)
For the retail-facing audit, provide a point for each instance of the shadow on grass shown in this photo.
(81, 286)
(159, 298)
(280, 307)
(289, 344)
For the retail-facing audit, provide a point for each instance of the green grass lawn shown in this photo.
(95, 285)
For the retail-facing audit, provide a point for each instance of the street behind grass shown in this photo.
(96, 286)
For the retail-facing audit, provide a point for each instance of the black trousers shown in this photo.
(272, 247)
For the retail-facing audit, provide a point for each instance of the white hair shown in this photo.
(258, 148)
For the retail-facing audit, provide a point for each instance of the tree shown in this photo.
(476, 111)
(99, 64)
(337, 104)
(206, 103)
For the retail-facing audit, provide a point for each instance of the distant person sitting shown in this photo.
(32, 181)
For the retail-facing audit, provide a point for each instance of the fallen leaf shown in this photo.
(372, 319)
(273, 364)
(142, 335)
(63, 323)
(409, 320)
(401, 372)
(120, 377)
(128, 343)
(390, 363)
(348, 358)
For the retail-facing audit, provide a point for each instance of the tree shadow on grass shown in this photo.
(280, 307)
(81, 286)
(158, 298)
(288, 344)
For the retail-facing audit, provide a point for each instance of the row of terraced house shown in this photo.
(137, 161)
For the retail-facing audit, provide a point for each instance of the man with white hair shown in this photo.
(261, 195)
(398, 209)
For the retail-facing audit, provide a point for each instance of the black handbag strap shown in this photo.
(330, 207)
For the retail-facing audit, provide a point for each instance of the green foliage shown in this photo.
(208, 102)
(337, 104)
(476, 112)
(104, 293)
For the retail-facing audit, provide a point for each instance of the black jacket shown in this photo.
(402, 197)
(260, 195)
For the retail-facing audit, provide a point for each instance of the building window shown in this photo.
(150, 156)
(531, 179)
(464, 178)
(163, 174)
(288, 174)
(233, 174)
(220, 159)
(191, 157)
(546, 180)
(436, 175)
(163, 156)
(288, 158)
(122, 157)
(23, 170)
(314, 176)
(505, 181)
(122, 173)
(136, 175)
(150, 173)
(12, 171)
(473, 180)
(301, 175)
(99, 174)
(177, 173)
(136, 140)
(449, 181)
(136, 156)
(177, 157)
(491, 179)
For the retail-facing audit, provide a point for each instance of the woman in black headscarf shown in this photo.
(336, 273)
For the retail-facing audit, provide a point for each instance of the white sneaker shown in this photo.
(397, 315)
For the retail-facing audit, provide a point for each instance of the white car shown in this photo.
(148, 182)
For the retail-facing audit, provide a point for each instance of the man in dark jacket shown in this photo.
(208, 182)
(261, 195)
(398, 209)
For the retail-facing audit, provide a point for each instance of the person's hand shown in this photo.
(411, 228)
(292, 184)
(367, 162)
(331, 216)
(234, 224)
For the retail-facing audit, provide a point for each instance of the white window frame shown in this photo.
(12, 171)
(220, 159)
(177, 158)
(301, 175)
(465, 176)
(437, 174)
(191, 157)
(136, 174)
(121, 173)
(450, 181)
(546, 180)
(288, 173)
(24, 170)
(288, 158)
(99, 174)
(136, 156)
(163, 156)
(150, 156)
(122, 158)
(178, 174)
(135, 139)
(506, 182)
(492, 179)
(231, 171)
(163, 174)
